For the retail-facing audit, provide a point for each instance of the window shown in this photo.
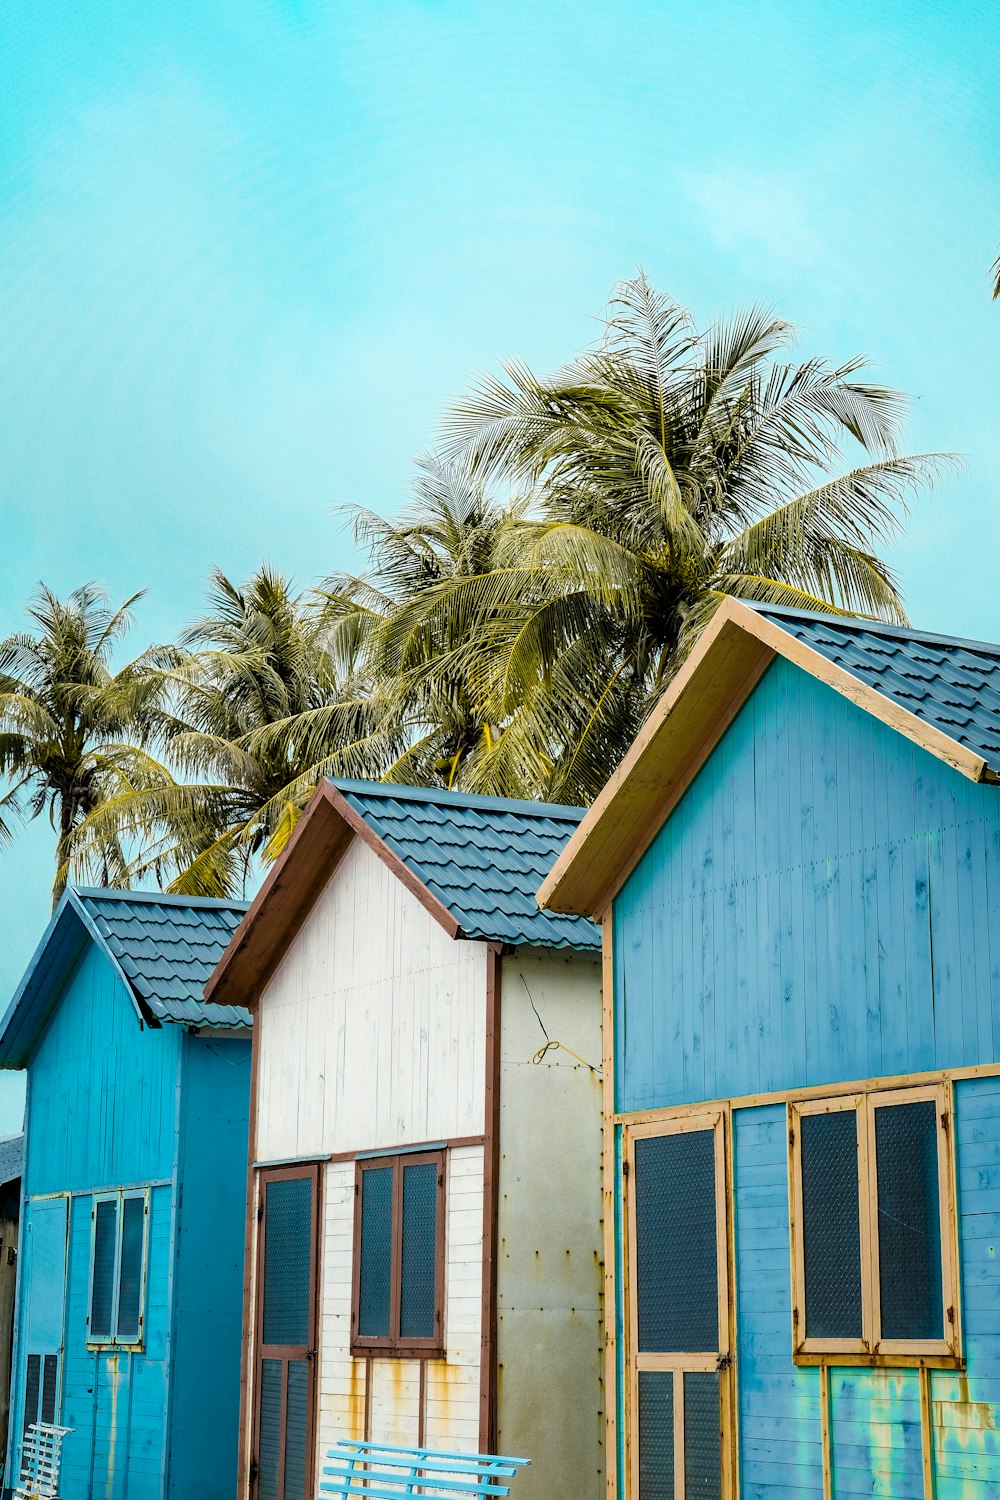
(873, 1255)
(678, 1329)
(399, 1255)
(119, 1237)
(41, 1387)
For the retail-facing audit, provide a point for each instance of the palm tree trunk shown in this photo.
(62, 849)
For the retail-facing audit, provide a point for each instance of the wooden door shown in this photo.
(285, 1357)
(681, 1381)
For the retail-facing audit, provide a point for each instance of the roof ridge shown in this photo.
(160, 898)
(526, 806)
(873, 627)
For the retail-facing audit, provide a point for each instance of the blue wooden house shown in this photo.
(130, 1287)
(797, 868)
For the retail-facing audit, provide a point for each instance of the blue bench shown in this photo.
(384, 1473)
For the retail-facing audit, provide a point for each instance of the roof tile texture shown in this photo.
(483, 857)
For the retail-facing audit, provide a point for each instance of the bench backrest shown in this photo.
(381, 1472)
(41, 1454)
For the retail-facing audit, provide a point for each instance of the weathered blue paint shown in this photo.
(113, 1102)
(823, 904)
(823, 907)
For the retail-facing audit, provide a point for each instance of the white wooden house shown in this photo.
(424, 1203)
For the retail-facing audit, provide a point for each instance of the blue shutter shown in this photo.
(375, 1276)
(677, 1274)
(32, 1389)
(288, 1235)
(103, 1286)
(419, 1262)
(831, 1233)
(656, 1435)
(909, 1221)
(130, 1273)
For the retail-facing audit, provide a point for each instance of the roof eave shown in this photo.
(680, 734)
(318, 844)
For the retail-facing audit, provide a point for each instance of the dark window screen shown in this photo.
(376, 1252)
(130, 1279)
(269, 1435)
(50, 1382)
(287, 1247)
(296, 1414)
(416, 1312)
(909, 1221)
(105, 1238)
(831, 1233)
(656, 1434)
(32, 1387)
(702, 1437)
(676, 1269)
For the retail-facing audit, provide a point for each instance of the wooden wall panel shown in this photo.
(824, 903)
(103, 1089)
(372, 1029)
(451, 1409)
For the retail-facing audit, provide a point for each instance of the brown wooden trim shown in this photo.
(319, 842)
(422, 1405)
(811, 1091)
(280, 1352)
(249, 1259)
(608, 1193)
(682, 731)
(491, 1206)
(405, 1148)
(870, 1349)
(393, 1345)
(368, 1399)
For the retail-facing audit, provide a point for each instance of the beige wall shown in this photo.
(550, 1288)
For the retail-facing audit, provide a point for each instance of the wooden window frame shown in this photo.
(695, 1362)
(112, 1339)
(393, 1345)
(871, 1347)
(310, 1171)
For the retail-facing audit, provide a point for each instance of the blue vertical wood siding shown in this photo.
(823, 908)
(874, 1414)
(113, 1103)
(823, 904)
(208, 1274)
(103, 1089)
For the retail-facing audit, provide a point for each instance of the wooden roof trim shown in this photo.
(680, 734)
(665, 757)
(317, 846)
(939, 744)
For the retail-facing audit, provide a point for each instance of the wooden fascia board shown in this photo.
(668, 752)
(281, 905)
(314, 851)
(891, 713)
(702, 701)
(399, 868)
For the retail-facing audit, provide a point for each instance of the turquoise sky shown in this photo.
(250, 249)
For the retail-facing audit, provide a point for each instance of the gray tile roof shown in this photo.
(167, 946)
(482, 857)
(950, 683)
(11, 1158)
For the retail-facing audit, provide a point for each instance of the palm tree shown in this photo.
(70, 726)
(669, 468)
(995, 273)
(257, 708)
(424, 634)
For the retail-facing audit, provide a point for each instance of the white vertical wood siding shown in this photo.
(550, 1339)
(372, 1035)
(372, 1029)
(452, 1396)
